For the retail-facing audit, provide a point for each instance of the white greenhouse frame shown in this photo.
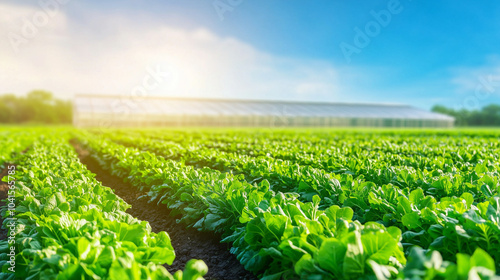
(118, 111)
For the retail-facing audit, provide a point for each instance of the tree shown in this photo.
(487, 116)
(37, 107)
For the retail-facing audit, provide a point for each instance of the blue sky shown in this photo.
(419, 52)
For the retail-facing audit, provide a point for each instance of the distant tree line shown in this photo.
(36, 107)
(486, 116)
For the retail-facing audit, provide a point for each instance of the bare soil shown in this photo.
(188, 243)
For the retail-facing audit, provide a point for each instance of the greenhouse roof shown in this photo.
(163, 106)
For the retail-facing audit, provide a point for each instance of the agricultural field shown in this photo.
(249, 204)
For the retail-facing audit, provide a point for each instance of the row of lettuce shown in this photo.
(13, 142)
(284, 224)
(66, 225)
(389, 204)
(440, 170)
(430, 171)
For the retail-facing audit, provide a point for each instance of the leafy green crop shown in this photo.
(301, 204)
(12, 142)
(68, 226)
(261, 195)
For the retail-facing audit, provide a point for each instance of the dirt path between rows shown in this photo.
(188, 243)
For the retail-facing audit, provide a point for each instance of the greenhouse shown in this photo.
(120, 111)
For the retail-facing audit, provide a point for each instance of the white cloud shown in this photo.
(111, 54)
(476, 86)
(484, 79)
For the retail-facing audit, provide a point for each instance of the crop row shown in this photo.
(297, 148)
(430, 152)
(11, 144)
(441, 162)
(425, 221)
(272, 232)
(480, 180)
(66, 225)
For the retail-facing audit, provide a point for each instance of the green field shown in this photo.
(288, 204)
